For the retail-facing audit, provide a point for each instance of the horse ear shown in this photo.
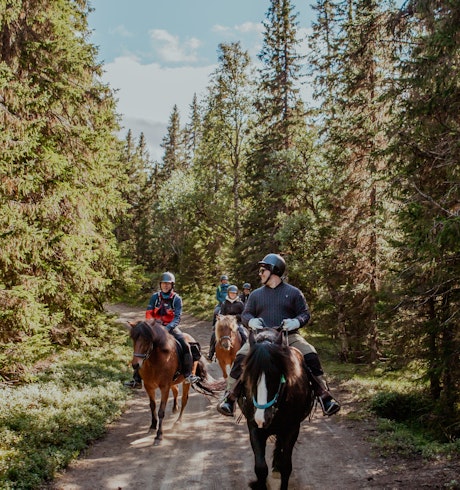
(131, 324)
(279, 338)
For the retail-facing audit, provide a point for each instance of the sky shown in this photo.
(159, 53)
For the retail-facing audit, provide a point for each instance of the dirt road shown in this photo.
(209, 451)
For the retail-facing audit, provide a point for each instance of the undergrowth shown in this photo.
(46, 423)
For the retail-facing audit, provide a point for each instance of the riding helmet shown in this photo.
(168, 277)
(274, 263)
(246, 285)
(232, 289)
(224, 278)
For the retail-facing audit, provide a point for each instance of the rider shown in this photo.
(166, 306)
(231, 306)
(221, 295)
(246, 292)
(278, 303)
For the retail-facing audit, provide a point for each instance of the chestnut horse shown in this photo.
(156, 355)
(277, 396)
(228, 341)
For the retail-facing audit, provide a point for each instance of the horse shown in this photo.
(156, 356)
(228, 341)
(276, 398)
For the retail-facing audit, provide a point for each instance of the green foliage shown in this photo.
(402, 406)
(61, 177)
(45, 424)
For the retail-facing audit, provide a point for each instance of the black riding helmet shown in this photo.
(232, 289)
(168, 277)
(274, 263)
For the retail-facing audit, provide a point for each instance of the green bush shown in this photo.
(401, 406)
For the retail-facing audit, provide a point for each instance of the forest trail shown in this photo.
(208, 451)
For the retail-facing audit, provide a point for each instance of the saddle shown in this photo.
(195, 349)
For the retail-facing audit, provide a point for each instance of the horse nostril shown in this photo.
(135, 365)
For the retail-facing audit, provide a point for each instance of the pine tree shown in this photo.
(426, 171)
(60, 175)
(353, 38)
(276, 169)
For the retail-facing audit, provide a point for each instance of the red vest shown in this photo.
(162, 310)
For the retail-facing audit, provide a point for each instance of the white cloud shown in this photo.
(170, 48)
(121, 31)
(147, 94)
(248, 27)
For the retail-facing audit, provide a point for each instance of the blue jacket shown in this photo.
(221, 292)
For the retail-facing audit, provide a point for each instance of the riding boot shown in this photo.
(187, 368)
(328, 404)
(227, 405)
(212, 346)
(136, 382)
(243, 334)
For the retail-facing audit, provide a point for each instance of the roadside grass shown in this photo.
(67, 404)
(406, 420)
(47, 422)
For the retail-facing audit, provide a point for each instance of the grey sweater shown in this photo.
(275, 305)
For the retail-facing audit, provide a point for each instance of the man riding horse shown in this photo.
(278, 303)
(166, 306)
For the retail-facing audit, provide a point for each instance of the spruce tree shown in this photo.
(276, 169)
(60, 175)
(426, 183)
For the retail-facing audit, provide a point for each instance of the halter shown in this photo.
(275, 398)
(224, 337)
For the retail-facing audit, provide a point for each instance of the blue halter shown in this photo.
(275, 398)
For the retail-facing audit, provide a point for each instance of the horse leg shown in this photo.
(258, 439)
(161, 415)
(223, 366)
(151, 394)
(282, 455)
(175, 392)
(184, 400)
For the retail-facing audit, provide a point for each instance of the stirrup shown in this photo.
(329, 406)
(191, 379)
(226, 407)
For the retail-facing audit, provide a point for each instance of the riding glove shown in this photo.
(256, 323)
(291, 324)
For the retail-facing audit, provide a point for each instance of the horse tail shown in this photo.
(207, 384)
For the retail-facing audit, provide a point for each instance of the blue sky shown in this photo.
(158, 53)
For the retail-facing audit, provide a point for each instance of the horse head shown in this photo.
(146, 336)
(226, 329)
(265, 375)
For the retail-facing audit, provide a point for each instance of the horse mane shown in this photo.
(152, 333)
(227, 321)
(274, 359)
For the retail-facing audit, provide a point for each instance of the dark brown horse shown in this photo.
(277, 397)
(156, 355)
(228, 341)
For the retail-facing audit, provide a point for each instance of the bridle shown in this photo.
(274, 400)
(145, 356)
(225, 337)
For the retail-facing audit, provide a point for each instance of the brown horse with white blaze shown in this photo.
(228, 341)
(156, 356)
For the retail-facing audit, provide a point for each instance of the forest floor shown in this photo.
(210, 451)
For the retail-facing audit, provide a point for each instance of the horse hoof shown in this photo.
(157, 442)
(256, 485)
